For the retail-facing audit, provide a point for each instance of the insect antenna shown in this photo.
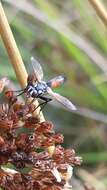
(18, 90)
(20, 93)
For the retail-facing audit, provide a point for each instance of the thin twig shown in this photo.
(100, 10)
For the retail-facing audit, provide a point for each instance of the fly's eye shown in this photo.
(31, 78)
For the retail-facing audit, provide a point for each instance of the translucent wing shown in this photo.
(37, 69)
(56, 82)
(64, 101)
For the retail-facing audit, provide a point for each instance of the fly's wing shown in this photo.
(37, 69)
(64, 101)
(56, 82)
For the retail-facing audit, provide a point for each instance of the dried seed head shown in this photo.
(58, 138)
(8, 170)
(57, 175)
(25, 142)
(6, 124)
(31, 122)
(45, 128)
(3, 82)
(2, 142)
(9, 94)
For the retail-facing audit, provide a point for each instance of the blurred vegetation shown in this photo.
(68, 38)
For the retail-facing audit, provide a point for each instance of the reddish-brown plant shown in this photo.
(24, 142)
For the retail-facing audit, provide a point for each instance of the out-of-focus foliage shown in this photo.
(68, 38)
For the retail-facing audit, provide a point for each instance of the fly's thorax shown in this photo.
(41, 87)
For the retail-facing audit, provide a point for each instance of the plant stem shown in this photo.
(15, 58)
(100, 10)
(12, 49)
(13, 52)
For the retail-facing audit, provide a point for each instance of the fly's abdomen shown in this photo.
(56, 82)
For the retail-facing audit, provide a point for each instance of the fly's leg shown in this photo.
(45, 99)
(21, 93)
(33, 100)
(19, 90)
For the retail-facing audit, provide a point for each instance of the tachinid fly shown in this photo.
(37, 88)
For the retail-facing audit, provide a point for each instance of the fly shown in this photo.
(37, 88)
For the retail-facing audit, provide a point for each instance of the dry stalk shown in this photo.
(100, 10)
(15, 57)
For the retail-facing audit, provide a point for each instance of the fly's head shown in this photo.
(31, 79)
